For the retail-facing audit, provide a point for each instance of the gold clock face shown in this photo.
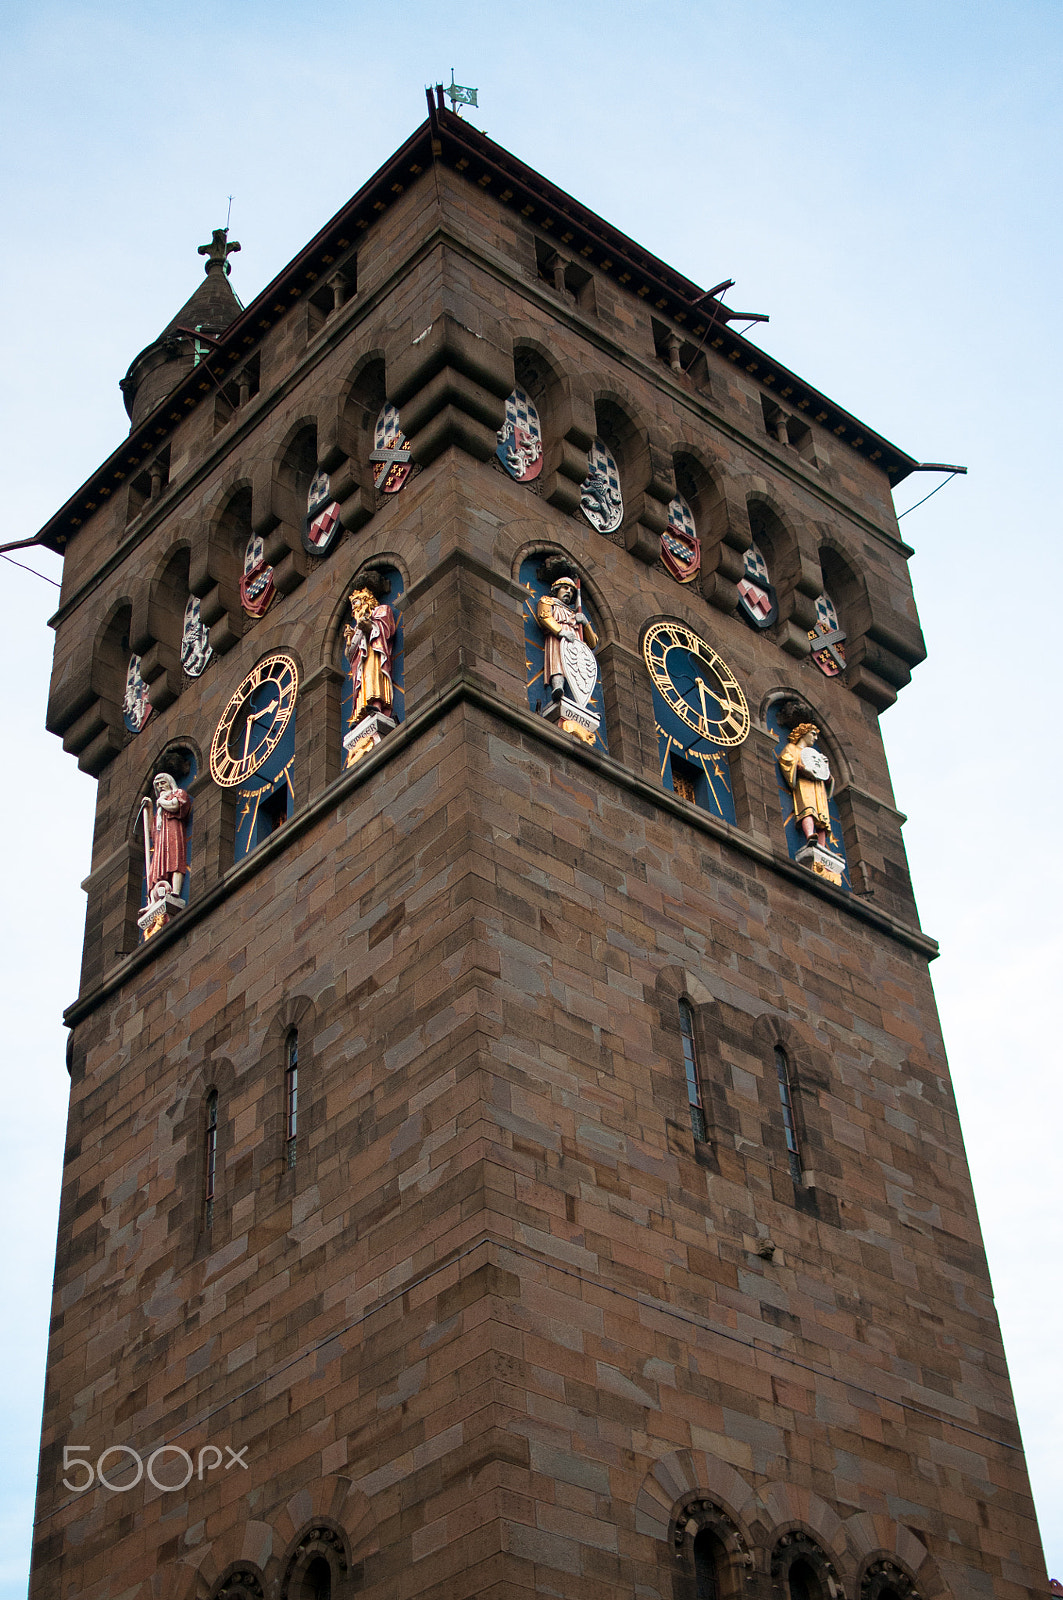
(254, 721)
(696, 683)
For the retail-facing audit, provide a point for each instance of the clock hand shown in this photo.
(704, 709)
(704, 689)
(257, 717)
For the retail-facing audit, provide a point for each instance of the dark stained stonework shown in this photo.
(506, 1327)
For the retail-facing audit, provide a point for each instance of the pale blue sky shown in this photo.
(880, 178)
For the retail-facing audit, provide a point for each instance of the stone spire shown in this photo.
(161, 365)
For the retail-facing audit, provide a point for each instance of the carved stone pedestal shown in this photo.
(365, 736)
(157, 913)
(824, 863)
(573, 719)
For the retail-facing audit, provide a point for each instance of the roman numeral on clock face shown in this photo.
(696, 683)
(252, 724)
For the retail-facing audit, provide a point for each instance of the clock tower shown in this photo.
(511, 1149)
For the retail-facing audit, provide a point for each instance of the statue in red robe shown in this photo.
(167, 838)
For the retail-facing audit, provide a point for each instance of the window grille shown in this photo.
(211, 1163)
(782, 1069)
(291, 1096)
(690, 1066)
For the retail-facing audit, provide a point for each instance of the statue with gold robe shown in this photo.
(368, 641)
(808, 777)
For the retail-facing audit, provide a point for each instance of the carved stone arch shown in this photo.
(548, 549)
(360, 402)
(793, 570)
(883, 1578)
(798, 1548)
(566, 412)
(111, 650)
(297, 1014)
(701, 479)
(796, 1519)
(334, 1504)
(88, 682)
(321, 1548)
(683, 1477)
(242, 1581)
(885, 1549)
(157, 634)
(170, 755)
(538, 371)
(647, 478)
(99, 732)
(217, 562)
(295, 457)
(331, 638)
(700, 1519)
(636, 623)
(801, 707)
(281, 481)
(846, 584)
(245, 1548)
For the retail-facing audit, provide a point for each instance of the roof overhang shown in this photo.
(445, 138)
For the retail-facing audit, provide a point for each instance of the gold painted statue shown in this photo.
(368, 641)
(808, 777)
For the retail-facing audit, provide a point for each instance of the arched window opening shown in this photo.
(164, 826)
(372, 700)
(806, 786)
(317, 1580)
(707, 1565)
(803, 1582)
(560, 687)
(693, 1076)
(782, 1072)
(291, 1095)
(211, 1158)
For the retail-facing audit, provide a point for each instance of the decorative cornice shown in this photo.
(448, 140)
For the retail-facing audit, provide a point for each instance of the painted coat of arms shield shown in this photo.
(520, 439)
(827, 638)
(321, 525)
(756, 594)
(680, 545)
(195, 640)
(600, 498)
(581, 670)
(390, 455)
(136, 707)
(256, 581)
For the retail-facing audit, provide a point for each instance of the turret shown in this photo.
(161, 365)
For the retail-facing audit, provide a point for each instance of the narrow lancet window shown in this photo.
(706, 1569)
(291, 1095)
(690, 1065)
(782, 1069)
(211, 1153)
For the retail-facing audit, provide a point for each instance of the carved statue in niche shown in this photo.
(369, 643)
(165, 852)
(807, 773)
(568, 658)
